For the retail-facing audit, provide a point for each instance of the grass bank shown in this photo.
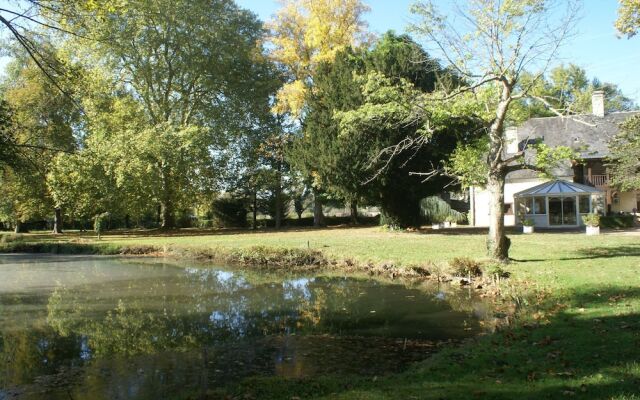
(579, 336)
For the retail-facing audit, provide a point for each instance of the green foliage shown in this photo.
(468, 163)
(528, 222)
(547, 158)
(624, 151)
(628, 21)
(591, 220)
(99, 223)
(400, 134)
(493, 269)
(464, 266)
(567, 90)
(7, 140)
(193, 86)
(261, 256)
(229, 212)
(436, 210)
(617, 221)
(38, 123)
(333, 163)
(11, 238)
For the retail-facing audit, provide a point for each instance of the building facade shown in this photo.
(589, 135)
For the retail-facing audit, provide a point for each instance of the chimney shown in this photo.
(512, 140)
(597, 103)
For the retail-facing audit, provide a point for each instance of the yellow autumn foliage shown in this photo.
(305, 33)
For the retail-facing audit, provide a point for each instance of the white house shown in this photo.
(555, 204)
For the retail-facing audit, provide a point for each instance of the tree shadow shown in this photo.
(579, 351)
(592, 253)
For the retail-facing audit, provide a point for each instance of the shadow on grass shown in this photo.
(592, 253)
(589, 350)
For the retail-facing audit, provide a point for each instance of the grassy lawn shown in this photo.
(579, 338)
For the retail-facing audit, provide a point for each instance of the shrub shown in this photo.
(267, 257)
(496, 269)
(205, 223)
(617, 221)
(229, 212)
(591, 219)
(10, 237)
(435, 210)
(528, 222)
(464, 266)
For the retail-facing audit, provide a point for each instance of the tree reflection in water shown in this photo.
(123, 330)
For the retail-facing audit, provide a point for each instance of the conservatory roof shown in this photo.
(558, 187)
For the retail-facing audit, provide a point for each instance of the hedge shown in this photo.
(617, 221)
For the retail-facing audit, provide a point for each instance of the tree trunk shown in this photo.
(18, 228)
(167, 219)
(354, 212)
(318, 216)
(57, 221)
(127, 221)
(254, 224)
(497, 242)
(279, 199)
(167, 216)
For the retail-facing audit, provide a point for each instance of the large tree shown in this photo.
(351, 134)
(303, 35)
(336, 164)
(43, 122)
(198, 73)
(490, 46)
(568, 90)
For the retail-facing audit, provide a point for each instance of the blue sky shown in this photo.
(595, 47)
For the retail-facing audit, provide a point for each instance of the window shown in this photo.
(508, 208)
(616, 198)
(539, 205)
(525, 206)
(584, 204)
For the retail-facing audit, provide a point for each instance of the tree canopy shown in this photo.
(624, 157)
(306, 33)
(628, 21)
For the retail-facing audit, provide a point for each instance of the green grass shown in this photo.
(578, 337)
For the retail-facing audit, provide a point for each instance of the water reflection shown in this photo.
(94, 327)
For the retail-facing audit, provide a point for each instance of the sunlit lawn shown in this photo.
(585, 342)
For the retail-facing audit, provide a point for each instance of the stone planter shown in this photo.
(436, 226)
(528, 229)
(447, 224)
(454, 224)
(593, 230)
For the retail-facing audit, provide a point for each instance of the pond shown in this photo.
(115, 328)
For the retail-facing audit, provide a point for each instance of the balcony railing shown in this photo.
(598, 180)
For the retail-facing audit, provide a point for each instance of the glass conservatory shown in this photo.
(558, 204)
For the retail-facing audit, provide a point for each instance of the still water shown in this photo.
(113, 328)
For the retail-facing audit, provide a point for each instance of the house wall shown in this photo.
(480, 202)
(626, 204)
(481, 199)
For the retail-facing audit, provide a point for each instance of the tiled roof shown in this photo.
(588, 134)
